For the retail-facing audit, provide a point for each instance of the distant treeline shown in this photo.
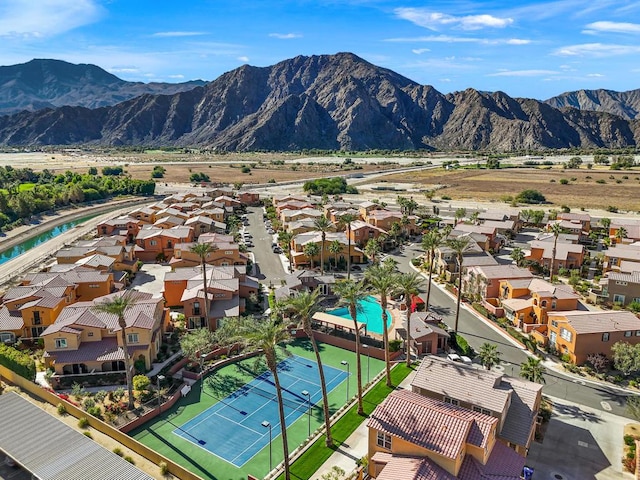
(24, 193)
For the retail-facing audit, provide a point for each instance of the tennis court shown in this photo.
(232, 428)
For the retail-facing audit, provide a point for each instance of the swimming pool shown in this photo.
(369, 311)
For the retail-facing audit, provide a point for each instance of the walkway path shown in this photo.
(355, 447)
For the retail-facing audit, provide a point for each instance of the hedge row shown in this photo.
(17, 361)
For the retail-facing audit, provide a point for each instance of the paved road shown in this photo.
(598, 396)
(269, 267)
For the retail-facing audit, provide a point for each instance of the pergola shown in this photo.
(339, 323)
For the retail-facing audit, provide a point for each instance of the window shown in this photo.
(61, 343)
(452, 401)
(94, 285)
(554, 323)
(566, 334)
(132, 338)
(621, 283)
(605, 337)
(384, 440)
(553, 304)
(617, 298)
(196, 308)
(153, 243)
(637, 333)
(37, 331)
(627, 333)
(228, 252)
(36, 318)
(90, 334)
(543, 304)
(484, 411)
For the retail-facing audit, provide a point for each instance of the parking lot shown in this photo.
(12, 473)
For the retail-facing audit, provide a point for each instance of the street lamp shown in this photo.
(344, 362)
(159, 379)
(366, 347)
(308, 395)
(266, 424)
(202, 371)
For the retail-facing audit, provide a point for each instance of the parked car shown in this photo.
(356, 268)
(454, 357)
(249, 243)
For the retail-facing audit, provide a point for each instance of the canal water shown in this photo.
(39, 239)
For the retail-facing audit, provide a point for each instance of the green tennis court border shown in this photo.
(157, 434)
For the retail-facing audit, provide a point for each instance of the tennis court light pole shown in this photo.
(266, 424)
(366, 347)
(202, 371)
(344, 362)
(159, 378)
(308, 395)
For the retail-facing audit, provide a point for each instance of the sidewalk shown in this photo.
(355, 447)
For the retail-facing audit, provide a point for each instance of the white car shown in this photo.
(454, 357)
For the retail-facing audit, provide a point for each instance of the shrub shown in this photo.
(83, 422)
(164, 468)
(95, 411)
(463, 346)
(129, 459)
(100, 396)
(629, 440)
(88, 403)
(87, 434)
(445, 197)
(564, 181)
(20, 362)
(601, 181)
(62, 410)
(394, 345)
(530, 196)
(245, 169)
(117, 451)
(612, 209)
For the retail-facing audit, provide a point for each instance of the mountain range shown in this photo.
(326, 102)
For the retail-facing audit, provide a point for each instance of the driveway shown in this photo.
(268, 267)
(591, 438)
(150, 278)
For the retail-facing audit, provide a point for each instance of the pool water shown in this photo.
(369, 311)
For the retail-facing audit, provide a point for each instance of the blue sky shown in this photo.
(525, 48)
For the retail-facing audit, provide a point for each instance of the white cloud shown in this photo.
(595, 75)
(178, 34)
(124, 69)
(45, 18)
(285, 36)
(454, 39)
(613, 27)
(517, 41)
(244, 59)
(420, 51)
(432, 20)
(444, 80)
(522, 73)
(177, 76)
(596, 50)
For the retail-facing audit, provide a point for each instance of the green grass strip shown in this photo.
(311, 460)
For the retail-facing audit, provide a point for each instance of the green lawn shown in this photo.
(316, 455)
(158, 433)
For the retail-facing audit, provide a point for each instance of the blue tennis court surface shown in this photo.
(232, 428)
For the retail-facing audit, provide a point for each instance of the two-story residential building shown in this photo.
(620, 288)
(158, 243)
(567, 255)
(622, 258)
(413, 437)
(203, 224)
(300, 258)
(224, 252)
(385, 218)
(125, 226)
(305, 281)
(249, 198)
(426, 336)
(631, 233)
(85, 340)
(145, 215)
(445, 262)
(527, 302)
(513, 401)
(483, 281)
(361, 232)
(579, 334)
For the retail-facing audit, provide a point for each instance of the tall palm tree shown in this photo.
(517, 255)
(489, 355)
(556, 229)
(459, 245)
(264, 336)
(430, 242)
(302, 308)
(323, 225)
(118, 305)
(394, 232)
(382, 281)
(351, 293)
(346, 220)
(285, 239)
(335, 247)
(203, 250)
(311, 250)
(621, 234)
(372, 250)
(409, 284)
(532, 370)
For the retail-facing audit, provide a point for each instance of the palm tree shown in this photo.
(460, 214)
(346, 220)
(621, 234)
(458, 245)
(532, 370)
(311, 250)
(394, 232)
(203, 250)
(382, 281)
(285, 239)
(351, 293)
(409, 284)
(405, 222)
(489, 355)
(323, 225)
(117, 305)
(430, 242)
(556, 229)
(517, 255)
(335, 247)
(302, 307)
(372, 249)
(606, 223)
